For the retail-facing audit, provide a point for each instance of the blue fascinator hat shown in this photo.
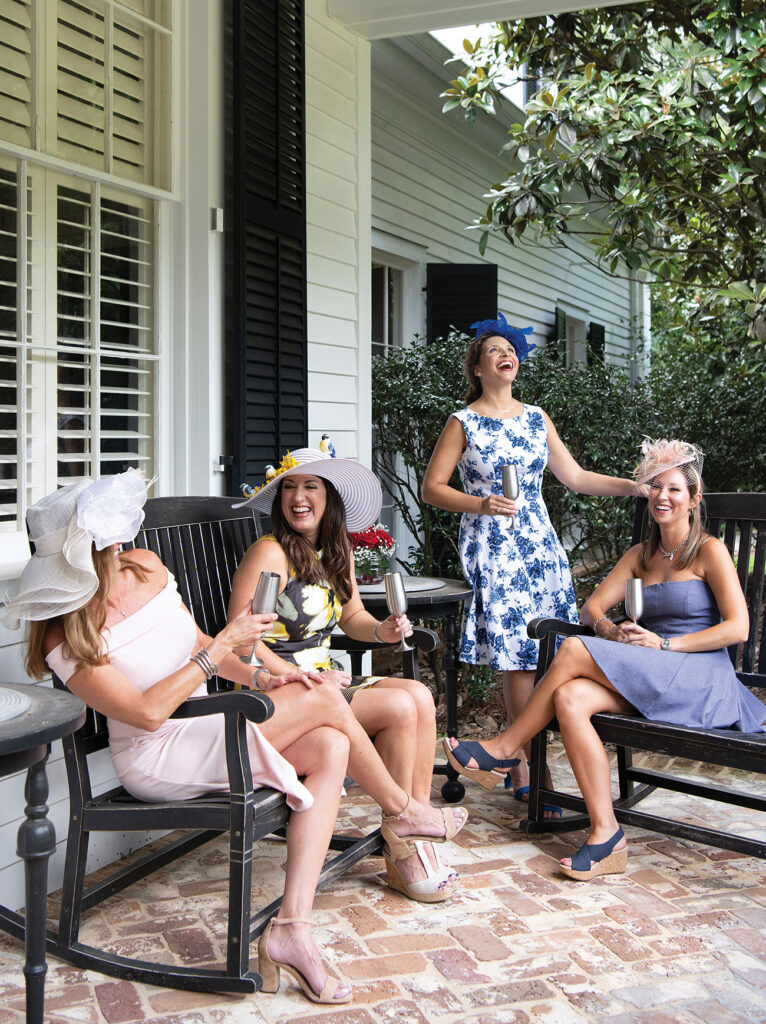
(515, 335)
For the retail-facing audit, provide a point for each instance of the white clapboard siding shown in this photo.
(337, 232)
(430, 173)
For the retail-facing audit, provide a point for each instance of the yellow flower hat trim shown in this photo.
(288, 462)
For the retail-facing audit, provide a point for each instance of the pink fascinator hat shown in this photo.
(663, 454)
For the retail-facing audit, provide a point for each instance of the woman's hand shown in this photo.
(632, 633)
(308, 677)
(336, 676)
(245, 629)
(498, 505)
(392, 629)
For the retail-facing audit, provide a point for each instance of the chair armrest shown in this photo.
(253, 704)
(538, 628)
(425, 640)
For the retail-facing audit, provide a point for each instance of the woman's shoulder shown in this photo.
(144, 558)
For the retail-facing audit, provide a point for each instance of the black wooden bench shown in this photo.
(740, 521)
(201, 541)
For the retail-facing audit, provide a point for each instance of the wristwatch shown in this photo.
(665, 643)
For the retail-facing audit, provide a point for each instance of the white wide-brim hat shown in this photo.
(358, 487)
(64, 526)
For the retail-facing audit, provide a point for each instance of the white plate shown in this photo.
(412, 585)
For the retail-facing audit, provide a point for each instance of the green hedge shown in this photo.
(711, 391)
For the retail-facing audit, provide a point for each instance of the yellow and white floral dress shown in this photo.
(308, 613)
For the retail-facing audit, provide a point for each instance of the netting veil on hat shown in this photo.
(63, 526)
(663, 454)
(358, 487)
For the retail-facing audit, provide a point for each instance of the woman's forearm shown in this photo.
(598, 484)
(451, 499)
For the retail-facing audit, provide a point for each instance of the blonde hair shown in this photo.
(83, 642)
(697, 535)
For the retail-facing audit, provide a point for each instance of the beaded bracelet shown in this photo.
(604, 618)
(202, 660)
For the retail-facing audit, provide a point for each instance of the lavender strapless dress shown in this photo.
(699, 690)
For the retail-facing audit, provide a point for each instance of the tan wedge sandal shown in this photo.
(437, 886)
(269, 969)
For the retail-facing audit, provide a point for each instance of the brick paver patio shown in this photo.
(679, 939)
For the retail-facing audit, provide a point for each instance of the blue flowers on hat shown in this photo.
(505, 330)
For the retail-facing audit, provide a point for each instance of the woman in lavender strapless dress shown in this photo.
(671, 667)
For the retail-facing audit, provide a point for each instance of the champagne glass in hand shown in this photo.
(264, 602)
(396, 599)
(511, 485)
(634, 599)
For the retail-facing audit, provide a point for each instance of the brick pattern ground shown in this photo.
(679, 939)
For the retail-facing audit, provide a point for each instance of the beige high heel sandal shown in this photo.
(436, 887)
(269, 969)
(452, 825)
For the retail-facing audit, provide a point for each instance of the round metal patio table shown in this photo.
(25, 739)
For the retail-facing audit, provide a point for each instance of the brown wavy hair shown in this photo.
(697, 535)
(82, 628)
(472, 358)
(335, 565)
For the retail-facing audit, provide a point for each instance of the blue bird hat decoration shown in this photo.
(516, 335)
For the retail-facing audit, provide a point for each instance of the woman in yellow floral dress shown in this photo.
(313, 502)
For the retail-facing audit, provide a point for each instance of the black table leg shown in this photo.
(452, 790)
(35, 843)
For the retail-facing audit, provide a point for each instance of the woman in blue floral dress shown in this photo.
(516, 566)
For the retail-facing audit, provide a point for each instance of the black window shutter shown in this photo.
(558, 343)
(267, 390)
(596, 341)
(458, 294)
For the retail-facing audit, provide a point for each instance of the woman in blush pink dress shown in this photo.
(113, 627)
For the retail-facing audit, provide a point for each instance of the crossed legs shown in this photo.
(573, 689)
(400, 716)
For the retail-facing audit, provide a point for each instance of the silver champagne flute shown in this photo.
(511, 485)
(264, 602)
(634, 599)
(396, 599)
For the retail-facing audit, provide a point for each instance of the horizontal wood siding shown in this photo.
(332, 228)
(429, 176)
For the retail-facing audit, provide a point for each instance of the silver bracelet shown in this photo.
(604, 618)
(203, 661)
(375, 636)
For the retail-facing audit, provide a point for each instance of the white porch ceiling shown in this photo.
(381, 19)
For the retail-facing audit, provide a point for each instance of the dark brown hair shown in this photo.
(697, 535)
(472, 359)
(82, 628)
(333, 541)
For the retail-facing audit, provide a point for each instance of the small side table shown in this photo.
(25, 743)
(444, 602)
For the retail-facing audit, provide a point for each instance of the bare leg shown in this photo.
(517, 689)
(400, 715)
(320, 756)
(575, 702)
(323, 704)
(386, 710)
(572, 662)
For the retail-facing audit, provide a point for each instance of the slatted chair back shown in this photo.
(739, 520)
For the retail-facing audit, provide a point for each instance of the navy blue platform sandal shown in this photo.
(598, 859)
(490, 770)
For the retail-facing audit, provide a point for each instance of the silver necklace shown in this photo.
(671, 554)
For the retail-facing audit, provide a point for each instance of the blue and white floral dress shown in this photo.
(516, 574)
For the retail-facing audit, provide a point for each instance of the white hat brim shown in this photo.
(358, 487)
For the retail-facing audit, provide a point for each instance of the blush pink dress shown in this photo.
(184, 758)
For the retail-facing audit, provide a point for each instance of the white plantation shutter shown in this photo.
(106, 361)
(110, 68)
(16, 73)
(86, 81)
